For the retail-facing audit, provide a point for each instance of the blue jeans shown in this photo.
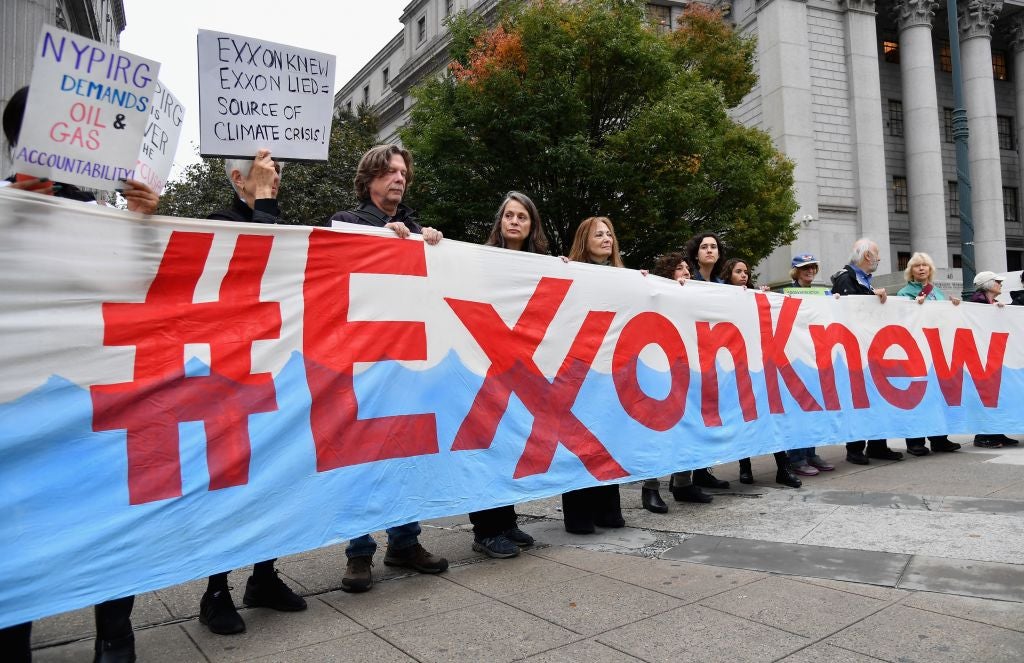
(399, 538)
(800, 456)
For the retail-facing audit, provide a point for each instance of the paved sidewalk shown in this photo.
(912, 561)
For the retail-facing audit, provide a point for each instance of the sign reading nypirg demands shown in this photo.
(160, 141)
(257, 94)
(87, 110)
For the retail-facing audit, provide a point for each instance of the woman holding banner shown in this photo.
(988, 286)
(919, 273)
(115, 640)
(582, 509)
(517, 227)
(706, 254)
(737, 272)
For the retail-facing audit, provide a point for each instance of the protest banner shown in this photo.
(257, 94)
(87, 109)
(160, 140)
(183, 397)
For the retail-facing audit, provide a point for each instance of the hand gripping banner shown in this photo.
(182, 397)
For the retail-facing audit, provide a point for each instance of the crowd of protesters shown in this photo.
(381, 180)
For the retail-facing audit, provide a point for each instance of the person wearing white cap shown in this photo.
(987, 286)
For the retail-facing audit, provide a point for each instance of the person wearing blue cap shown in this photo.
(805, 462)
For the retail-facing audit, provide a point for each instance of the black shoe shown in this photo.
(519, 537)
(417, 558)
(944, 445)
(857, 458)
(787, 478)
(121, 650)
(705, 479)
(271, 592)
(746, 476)
(358, 576)
(987, 442)
(917, 450)
(1006, 441)
(690, 493)
(651, 500)
(217, 612)
(498, 546)
(610, 520)
(884, 454)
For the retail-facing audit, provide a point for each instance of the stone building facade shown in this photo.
(858, 93)
(20, 23)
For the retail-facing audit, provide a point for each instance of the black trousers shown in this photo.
(873, 445)
(492, 522)
(919, 441)
(586, 504)
(113, 622)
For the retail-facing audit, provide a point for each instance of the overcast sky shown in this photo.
(352, 30)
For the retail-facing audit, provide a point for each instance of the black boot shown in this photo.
(941, 443)
(115, 642)
(787, 478)
(651, 500)
(915, 446)
(690, 493)
(576, 513)
(705, 479)
(746, 475)
(607, 507)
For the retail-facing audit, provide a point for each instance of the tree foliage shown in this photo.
(589, 111)
(310, 193)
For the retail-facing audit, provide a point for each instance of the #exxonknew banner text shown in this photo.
(181, 397)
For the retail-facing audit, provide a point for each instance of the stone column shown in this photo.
(921, 135)
(976, 19)
(785, 72)
(1016, 34)
(866, 123)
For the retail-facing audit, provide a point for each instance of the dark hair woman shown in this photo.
(599, 506)
(737, 272)
(517, 227)
(706, 254)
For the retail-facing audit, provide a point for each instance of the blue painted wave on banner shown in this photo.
(72, 539)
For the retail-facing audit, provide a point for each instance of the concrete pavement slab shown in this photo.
(697, 633)
(490, 631)
(887, 594)
(683, 580)
(162, 644)
(270, 632)
(585, 650)
(82, 623)
(363, 647)
(749, 518)
(183, 600)
(624, 539)
(982, 505)
(593, 604)
(990, 580)
(1005, 614)
(808, 610)
(396, 601)
(581, 558)
(499, 578)
(819, 652)
(918, 636)
(792, 559)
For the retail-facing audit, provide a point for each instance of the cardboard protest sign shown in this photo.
(87, 109)
(160, 140)
(257, 94)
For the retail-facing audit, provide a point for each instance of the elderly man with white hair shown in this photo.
(255, 182)
(855, 279)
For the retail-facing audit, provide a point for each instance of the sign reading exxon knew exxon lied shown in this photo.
(88, 107)
(288, 387)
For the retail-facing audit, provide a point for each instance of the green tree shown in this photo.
(588, 110)
(310, 193)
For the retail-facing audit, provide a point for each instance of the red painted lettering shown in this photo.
(883, 369)
(513, 370)
(642, 330)
(773, 349)
(824, 340)
(950, 374)
(711, 339)
(332, 344)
